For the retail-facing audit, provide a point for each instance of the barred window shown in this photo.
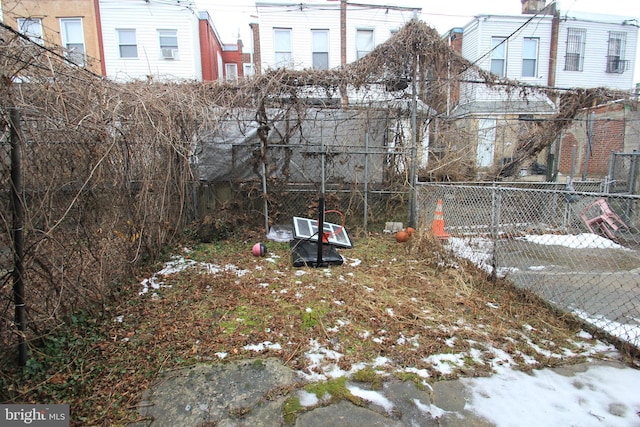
(615, 52)
(576, 40)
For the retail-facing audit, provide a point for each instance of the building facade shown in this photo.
(70, 27)
(322, 36)
(127, 40)
(540, 48)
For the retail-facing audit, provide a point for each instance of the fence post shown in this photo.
(495, 219)
(414, 148)
(366, 181)
(18, 236)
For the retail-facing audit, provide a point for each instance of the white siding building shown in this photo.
(152, 39)
(303, 36)
(596, 50)
(548, 50)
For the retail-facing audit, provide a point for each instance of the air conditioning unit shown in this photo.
(168, 53)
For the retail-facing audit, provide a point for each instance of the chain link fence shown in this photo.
(624, 173)
(578, 250)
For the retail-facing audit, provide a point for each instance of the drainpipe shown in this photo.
(103, 66)
(553, 51)
(343, 32)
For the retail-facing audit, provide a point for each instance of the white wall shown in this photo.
(477, 37)
(302, 18)
(595, 60)
(147, 19)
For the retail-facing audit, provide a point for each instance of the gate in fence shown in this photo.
(624, 173)
(578, 250)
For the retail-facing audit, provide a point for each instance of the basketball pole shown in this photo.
(321, 200)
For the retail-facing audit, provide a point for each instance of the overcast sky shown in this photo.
(232, 17)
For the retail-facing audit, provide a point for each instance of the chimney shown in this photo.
(531, 7)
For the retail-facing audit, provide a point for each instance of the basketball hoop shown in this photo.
(327, 235)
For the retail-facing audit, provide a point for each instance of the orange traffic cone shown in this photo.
(437, 228)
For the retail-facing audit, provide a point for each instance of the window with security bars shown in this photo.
(615, 52)
(576, 41)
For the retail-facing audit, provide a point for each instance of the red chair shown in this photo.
(598, 216)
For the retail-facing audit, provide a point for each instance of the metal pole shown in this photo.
(323, 155)
(264, 187)
(319, 261)
(18, 236)
(414, 138)
(588, 153)
(573, 162)
(366, 180)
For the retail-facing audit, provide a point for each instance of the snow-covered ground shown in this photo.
(478, 250)
(602, 395)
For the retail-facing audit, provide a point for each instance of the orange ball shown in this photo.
(410, 230)
(402, 236)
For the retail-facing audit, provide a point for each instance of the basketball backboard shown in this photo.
(307, 229)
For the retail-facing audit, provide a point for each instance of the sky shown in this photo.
(603, 394)
(232, 18)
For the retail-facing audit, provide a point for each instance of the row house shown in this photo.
(70, 26)
(542, 47)
(128, 40)
(322, 35)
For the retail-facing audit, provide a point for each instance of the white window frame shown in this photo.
(499, 52)
(168, 41)
(282, 52)
(127, 48)
(486, 142)
(73, 41)
(574, 55)
(231, 71)
(530, 56)
(247, 70)
(32, 29)
(320, 49)
(365, 41)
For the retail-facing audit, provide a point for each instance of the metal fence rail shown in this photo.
(558, 244)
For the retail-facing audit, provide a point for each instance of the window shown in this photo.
(364, 42)
(282, 46)
(320, 49)
(530, 57)
(499, 56)
(127, 43)
(486, 142)
(168, 44)
(247, 70)
(31, 28)
(615, 53)
(231, 72)
(73, 40)
(576, 39)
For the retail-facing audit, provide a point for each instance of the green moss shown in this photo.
(258, 364)
(336, 388)
(290, 410)
(369, 376)
(410, 376)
